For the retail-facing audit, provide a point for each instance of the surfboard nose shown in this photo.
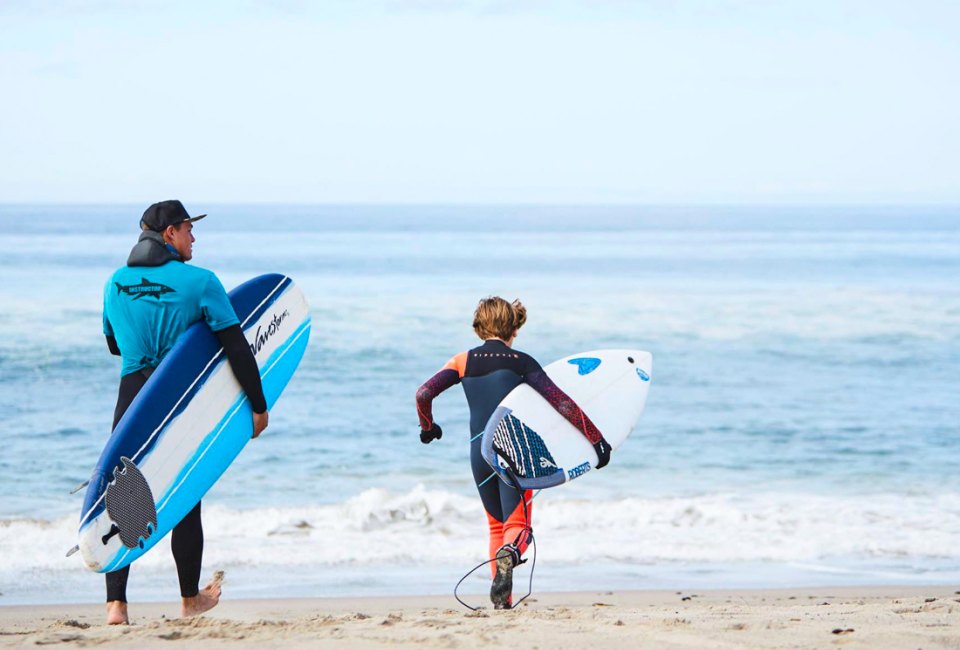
(642, 363)
(637, 357)
(589, 366)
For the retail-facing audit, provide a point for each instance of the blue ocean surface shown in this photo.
(803, 424)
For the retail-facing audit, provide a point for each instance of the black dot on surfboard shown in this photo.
(630, 359)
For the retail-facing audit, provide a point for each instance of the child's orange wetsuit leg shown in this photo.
(513, 529)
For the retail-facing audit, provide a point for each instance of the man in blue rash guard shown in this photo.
(147, 305)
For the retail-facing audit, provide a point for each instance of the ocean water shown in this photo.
(802, 425)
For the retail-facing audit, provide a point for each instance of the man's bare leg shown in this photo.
(204, 601)
(117, 613)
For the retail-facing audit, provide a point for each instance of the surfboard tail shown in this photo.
(517, 453)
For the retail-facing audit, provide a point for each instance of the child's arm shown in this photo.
(448, 376)
(565, 406)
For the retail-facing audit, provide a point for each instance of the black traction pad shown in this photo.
(130, 504)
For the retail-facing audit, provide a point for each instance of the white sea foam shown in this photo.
(424, 527)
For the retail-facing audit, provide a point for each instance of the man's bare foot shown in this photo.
(204, 601)
(117, 613)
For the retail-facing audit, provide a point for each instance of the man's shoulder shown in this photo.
(179, 266)
(196, 280)
(119, 273)
(192, 270)
(171, 266)
(197, 276)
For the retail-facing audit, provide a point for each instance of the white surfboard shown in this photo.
(527, 438)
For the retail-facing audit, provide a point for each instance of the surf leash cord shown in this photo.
(531, 540)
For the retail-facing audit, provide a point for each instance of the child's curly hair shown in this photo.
(497, 318)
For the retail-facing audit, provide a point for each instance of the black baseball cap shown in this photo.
(166, 213)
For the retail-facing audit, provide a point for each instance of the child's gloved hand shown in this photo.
(602, 447)
(435, 433)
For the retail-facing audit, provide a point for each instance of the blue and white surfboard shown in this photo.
(187, 424)
(527, 439)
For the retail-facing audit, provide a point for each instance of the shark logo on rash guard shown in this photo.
(145, 288)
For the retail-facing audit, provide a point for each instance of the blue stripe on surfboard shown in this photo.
(249, 299)
(135, 435)
(228, 437)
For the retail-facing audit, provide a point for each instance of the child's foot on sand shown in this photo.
(117, 613)
(204, 601)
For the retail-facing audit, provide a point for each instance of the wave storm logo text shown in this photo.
(264, 335)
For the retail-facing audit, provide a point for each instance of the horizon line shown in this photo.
(583, 204)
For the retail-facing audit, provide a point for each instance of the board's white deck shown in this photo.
(613, 396)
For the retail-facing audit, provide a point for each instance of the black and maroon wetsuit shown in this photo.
(488, 374)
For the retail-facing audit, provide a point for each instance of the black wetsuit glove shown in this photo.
(435, 433)
(602, 447)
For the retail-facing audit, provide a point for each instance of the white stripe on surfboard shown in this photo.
(526, 439)
(250, 315)
(187, 392)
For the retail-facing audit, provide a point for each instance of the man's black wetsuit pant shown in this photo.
(186, 539)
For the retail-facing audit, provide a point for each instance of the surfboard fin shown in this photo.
(73, 550)
(79, 487)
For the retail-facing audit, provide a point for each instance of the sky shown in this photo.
(482, 101)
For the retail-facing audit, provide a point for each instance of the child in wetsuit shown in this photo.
(488, 374)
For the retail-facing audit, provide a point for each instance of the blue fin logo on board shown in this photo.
(145, 288)
(585, 365)
(642, 375)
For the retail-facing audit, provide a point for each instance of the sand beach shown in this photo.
(849, 617)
